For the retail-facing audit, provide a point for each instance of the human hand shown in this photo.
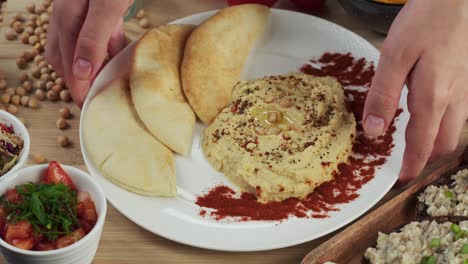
(81, 35)
(427, 48)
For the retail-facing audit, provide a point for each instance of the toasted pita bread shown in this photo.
(156, 89)
(215, 55)
(122, 149)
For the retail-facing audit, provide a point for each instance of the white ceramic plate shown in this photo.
(294, 38)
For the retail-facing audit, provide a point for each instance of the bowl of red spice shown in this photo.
(14, 144)
(50, 214)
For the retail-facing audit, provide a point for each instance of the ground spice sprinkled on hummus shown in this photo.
(274, 150)
(368, 154)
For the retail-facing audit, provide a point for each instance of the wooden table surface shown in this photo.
(122, 241)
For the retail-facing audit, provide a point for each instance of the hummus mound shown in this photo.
(281, 136)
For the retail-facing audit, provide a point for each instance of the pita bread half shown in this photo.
(215, 55)
(122, 149)
(156, 89)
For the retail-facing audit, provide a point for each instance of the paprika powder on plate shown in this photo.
(355, 75)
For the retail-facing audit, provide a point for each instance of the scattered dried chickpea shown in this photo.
(28, 56)
(33, 103)
(65, 112)
(21, 63)
(15, 99)
(47, 3)
(36, 73)
(39, 23)
(38, 31)
(18, 17)
(54, 76)
(42, 64)
(3, 84)
(27, 85)
(11, 35)
(30, 22)
(57, 88)
(39, 158)
(32, 17)
(63, 141)
(65, 96)
(59, 81)
(44, 18)
(20, 91)
(10, 91)
(49, 85)
(52, 95)
(18, 27)
(24, 100)
(40, 95)
(38, 59)
(24, 38)
(29, 30)
(5, 98)
(39, 9)
(12, 109)
(45, 77)
(45, 70)
(40, 85)
(33, 40)
(61, 123)
(31, 8)
(34, 52)
(23, 77)
(39, 47)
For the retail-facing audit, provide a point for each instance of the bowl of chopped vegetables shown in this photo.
(14, 144)
(50, 214)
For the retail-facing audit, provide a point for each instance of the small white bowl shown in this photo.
(21, 131)
(81, 252)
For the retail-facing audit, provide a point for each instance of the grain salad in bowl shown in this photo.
(426, 242)
(50, 214)
(447, 197)
(14, 144)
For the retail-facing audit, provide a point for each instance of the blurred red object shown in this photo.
(269, 3)
(309, 5)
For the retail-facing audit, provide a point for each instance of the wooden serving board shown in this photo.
(349, 245)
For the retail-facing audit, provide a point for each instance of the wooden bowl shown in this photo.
(377, 16)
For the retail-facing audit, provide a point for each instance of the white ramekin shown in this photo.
(21, 131)
(83, 251)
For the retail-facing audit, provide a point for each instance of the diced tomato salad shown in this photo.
(23, 234)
